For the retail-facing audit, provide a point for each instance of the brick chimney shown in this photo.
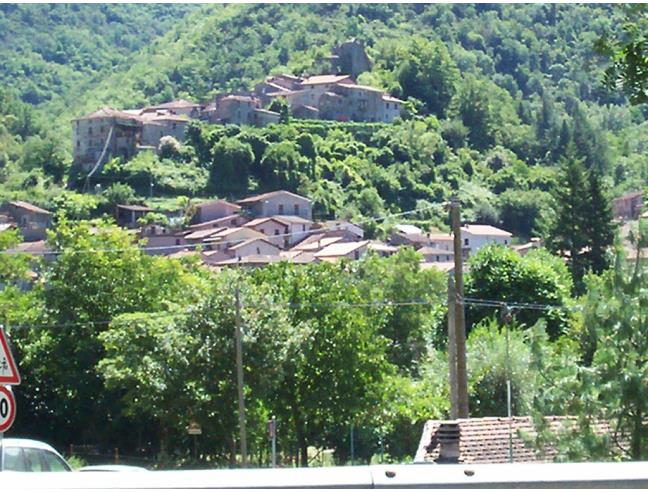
(448, 436)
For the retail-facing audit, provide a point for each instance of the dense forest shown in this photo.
(507, 106)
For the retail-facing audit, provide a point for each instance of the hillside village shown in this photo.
(107, 132)
(259, 230)
(279, 226)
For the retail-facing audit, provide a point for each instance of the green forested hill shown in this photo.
(498, 96)
(53, 52)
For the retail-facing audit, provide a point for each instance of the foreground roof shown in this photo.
(486, 439)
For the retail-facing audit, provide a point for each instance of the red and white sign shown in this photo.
(8, 369)
(7, 408)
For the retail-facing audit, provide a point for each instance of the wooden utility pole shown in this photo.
(452, 349)
(239, 377)
(460, 322)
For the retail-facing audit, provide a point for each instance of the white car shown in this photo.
(26, 455)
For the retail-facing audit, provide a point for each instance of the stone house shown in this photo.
(213, 209)
(241, 110)
(628, 207)
(155, 126)
(352, 102)
(180, 107)
(279, 202)
(119, 132)
(32, 221)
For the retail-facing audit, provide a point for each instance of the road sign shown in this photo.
(194, 429)
(7, 408)
(8, 370)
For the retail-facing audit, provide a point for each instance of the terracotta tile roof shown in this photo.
(360, 87)
(388, 98)
(30, 207)
(251, 241)
(485, 230)
(215, 222)
(233, 97)
(263, 220)
(203, 233)
(272, 194)
(324, 79)
(431, 250)
(316, 243)
(214, 202)
(135, 208)
(178, 103)
(380, 246)
(110, 113)
(338, 249)
(486, 440)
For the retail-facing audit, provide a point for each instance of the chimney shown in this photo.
(448, 437)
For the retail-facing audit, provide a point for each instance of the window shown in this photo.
(505, 241)
(281, 209)
(262, 231)
(296, 208)
(466, 242)
(258, 251)
(13, 459)
(177, 242)
(78, 143)
(356, 254)
(90, 130)
(276, 232)
(233, 222)
(32, 460)
(303, 228)
(52, 462)
(437, 258)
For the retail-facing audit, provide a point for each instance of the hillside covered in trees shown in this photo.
(497, 96)
(505, 106)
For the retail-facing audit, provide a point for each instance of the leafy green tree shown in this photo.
(500, 274)
(627, 53)
(232, 162)
(428, 73)
(410, 328)
(335, 360)
(97, 276)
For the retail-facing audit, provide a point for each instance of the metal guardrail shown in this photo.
(554, 475)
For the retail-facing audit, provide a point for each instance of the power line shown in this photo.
(151, 316)
(362, 304)
(215, 243)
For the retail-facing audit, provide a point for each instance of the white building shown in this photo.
(476, 236)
